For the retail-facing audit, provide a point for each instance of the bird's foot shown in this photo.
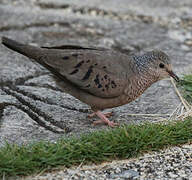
(104, 119)
(106, 114)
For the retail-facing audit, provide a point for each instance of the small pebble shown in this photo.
(172, 163)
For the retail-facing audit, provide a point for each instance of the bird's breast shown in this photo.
(136, 87)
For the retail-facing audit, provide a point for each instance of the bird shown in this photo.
(99, 77)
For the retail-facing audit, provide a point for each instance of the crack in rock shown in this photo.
(37, 24)
(47, 86)
(34, 113)
(2, 107)
(98, 12)
(53, 6)
(22, 80)
(33, 108)
(36, 118)
(93, 11)
(83, 11)
(46, 101)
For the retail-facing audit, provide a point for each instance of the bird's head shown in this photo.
(158, 64)
(162, 64)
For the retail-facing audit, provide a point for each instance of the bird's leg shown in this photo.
(106, 114)
(104, 119)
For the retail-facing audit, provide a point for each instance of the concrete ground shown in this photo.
(32, 108)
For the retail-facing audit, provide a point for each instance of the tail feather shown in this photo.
(27, 50)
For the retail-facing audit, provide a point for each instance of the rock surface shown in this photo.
(32, 108)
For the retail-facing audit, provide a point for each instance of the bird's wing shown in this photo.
(100, 73)
(76, 47)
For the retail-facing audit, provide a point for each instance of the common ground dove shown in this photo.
(101, 78)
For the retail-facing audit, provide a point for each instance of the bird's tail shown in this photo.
(27, 50)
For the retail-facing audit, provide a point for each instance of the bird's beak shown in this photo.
(173, 75)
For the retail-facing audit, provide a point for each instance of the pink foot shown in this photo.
(106, 114)
(104, 119)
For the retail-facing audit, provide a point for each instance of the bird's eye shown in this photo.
(161, 65)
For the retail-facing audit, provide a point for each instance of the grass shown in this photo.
(186, 86)
(123, 142)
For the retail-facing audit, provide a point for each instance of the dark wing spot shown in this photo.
(73, 72)
(87, 61)
(103, 89)
(104, 67)
(96, 80)
(88, 73)
(79, 64)
(113, 85)
(65, 57)
(107, 86)
(105, 76)
(95, 64)
(99, 86)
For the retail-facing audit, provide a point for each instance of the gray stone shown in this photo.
(33, 108)
(127, 174)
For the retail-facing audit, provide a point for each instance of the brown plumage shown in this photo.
(101, 78)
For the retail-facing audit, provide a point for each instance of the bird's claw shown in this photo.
(106, 114)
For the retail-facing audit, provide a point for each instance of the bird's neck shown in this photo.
(138, 84)
(143, 77)
(141, 68)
